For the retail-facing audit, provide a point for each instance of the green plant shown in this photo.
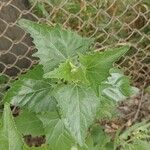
(65, 94)
(3, 85)
(135, 137)
(109, 22)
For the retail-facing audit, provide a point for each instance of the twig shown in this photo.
(139, 107)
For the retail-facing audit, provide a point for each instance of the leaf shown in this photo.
(57, 136)
(136, 130)
(141, 145)
(10, 138)
(68, 72)
(138, 133)
(100, 138)
(97, 65)
(29, 124)
(117, 87)
(137, 145)
(3, 86)
(32, 92)
(79, 105)
(35, 73)
(107, 109)
(36, 148)
(97, 140)
(54, 45)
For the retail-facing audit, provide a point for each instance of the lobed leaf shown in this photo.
(32, 91)
(117, 87)
(79, 105)
(57, 136)
(54, 45)
(97, 65)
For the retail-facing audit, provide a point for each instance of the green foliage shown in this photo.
(55, 45)
(97, 65)
(56, 134)
(73, 86)
(3, 86)
(79, 105)
(68, 72)
(28, 123)
(135, 138)
(115, 88)
(32, 91)
(35, 148)
(97, 140)
(10, 138)
(39, 8)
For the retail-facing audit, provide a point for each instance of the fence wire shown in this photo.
(110, 22)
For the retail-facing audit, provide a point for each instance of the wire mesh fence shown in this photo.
(110, 22)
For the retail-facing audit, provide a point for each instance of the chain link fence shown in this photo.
(110, 22)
